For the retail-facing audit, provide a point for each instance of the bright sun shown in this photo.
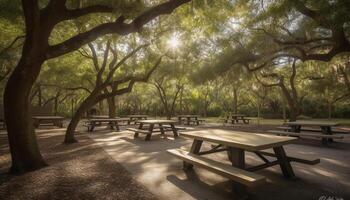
(174, 42)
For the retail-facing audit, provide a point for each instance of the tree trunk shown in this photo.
(39, 96)
(284, 111)
(83, 108)
(100, 107)
(25, 152)
(235, 101)
(330, 110)
(181, 101)
(56, 105)
(111, 107)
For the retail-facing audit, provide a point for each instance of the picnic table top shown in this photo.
(242, 140)
(47, 117)
(157, 121)
(100, 117)
(137, 116)
(236, 115)
(313, 123)
(188, 116)
(107, 119)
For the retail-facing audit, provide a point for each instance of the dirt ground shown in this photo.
(77, 171)
(113, 165)
(162, 173)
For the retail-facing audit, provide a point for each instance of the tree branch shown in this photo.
(117, 27)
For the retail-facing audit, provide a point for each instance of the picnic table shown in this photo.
(100, 117)
(236, 144)
(112, 122)
(189, 119)
(54, 120)
(163, 125)
(135, 118)
(235, 118)
(326, 127)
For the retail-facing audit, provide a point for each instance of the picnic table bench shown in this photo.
(325, 131)
(111, 122)
(188, 119)
(163, 126)
(48, 120)
(311, 129)
(236, 144)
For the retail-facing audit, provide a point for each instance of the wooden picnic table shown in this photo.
(55, 120)
(137, 117)
(112, 122)
(235, 118)
(326, 127)
(189, 119)
(236, 144)
(162, 124)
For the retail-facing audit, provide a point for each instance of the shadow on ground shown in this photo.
(77, 171)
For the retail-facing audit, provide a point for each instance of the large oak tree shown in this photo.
(39, 24)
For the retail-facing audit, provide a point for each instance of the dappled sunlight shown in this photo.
(336, 162)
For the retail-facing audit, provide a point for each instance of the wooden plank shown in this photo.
(138, 130)
(243, 140)
(233, 173)
(156, 121)
(312, 123)
(282, 158)
(48, 117)
(334, 136)
(303, 160)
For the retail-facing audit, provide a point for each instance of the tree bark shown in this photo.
(111, 107)
(235, 101)
(39, 96)
(83, 108)
(25, 152)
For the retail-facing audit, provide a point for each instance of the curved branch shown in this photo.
(117, 27)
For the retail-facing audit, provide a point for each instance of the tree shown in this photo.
(107, 82)
(290, 94)
(264, 32)
(39, 24)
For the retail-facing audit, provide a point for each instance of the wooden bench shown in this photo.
(137, 131)
(179, 128)
(305, 134)
(287, 128)
(237, 175)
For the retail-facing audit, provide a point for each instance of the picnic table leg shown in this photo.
(116, 126)
(136, 133)
(179, 119)
(174, 130)
(296, 128)
(111, 124)
(161, 129)
(196, 118)
(60, 124)
(188, 120)
(92, 126)
(195, 148)
(237, 158)
(150, 129)
(327, 130)
(36, 123)
(284, 163)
